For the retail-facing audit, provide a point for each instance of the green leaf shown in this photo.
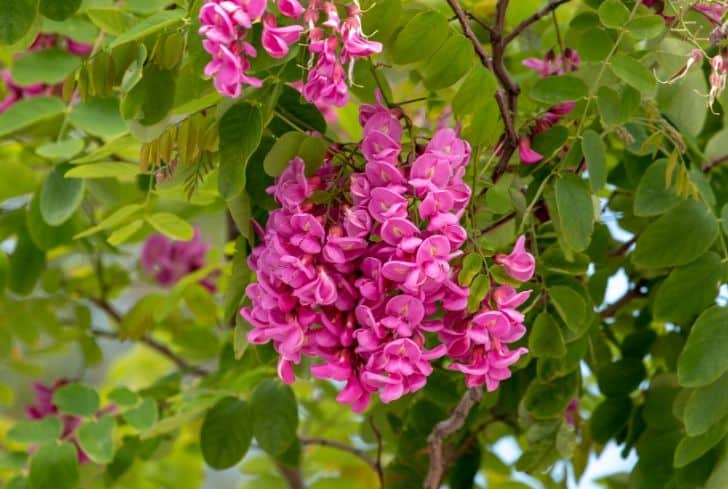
(143, 416)
(634, 73)
(724, 219)
(557, 89)
(61, 150)
(60, 197)
(706, 406)
(595, 44)
(545, 339)
(172, 226)
(275, 416)
(96, 441)
(613, 13)
(646, 27)
(684, 103)
(226, 433)
(449, 63)
(609, 418)
(122, 234)
(576, 214)
(152, 98)
(608, 103)
(104, 169)
(312, 151)
(595, 154)
(42, 431)
(420, 37)
(28, 112)
(653, 197)
(688, 290)
(76, 399)
(283, 151)
(99, 117)
(719, 477)
(112, 20)
(26, 265)
(619, 378)
(472, 265)
(115, 219)
(151, 25)
(692, 448)
(240, 133)
(59, 9)
(551, 140)
(45, 236)
(50, 66)
(16, 19)
(570, 305)
(123, 397)
(703, 360)
(665, 242)
(54, 466)
(140, 319)
(547, 400)
(478, 87)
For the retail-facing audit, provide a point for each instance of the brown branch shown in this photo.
(507, 95)
(160, 348)
(463, 19)
(552, 5)
(380, 446)
(707, 167)
(292, 476)
(357, 452)
(612, 309)
(624, 248)
(498, 223)
(442, 430)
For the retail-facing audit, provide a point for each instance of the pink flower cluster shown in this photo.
(551, 65)
(15, 92)
(718, 75)
(332, 44)
(359, 282)
(44, 407)
(168, 261)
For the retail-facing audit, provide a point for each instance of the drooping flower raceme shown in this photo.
(333, 44)
(168, 261)
(551, 65)
(361, 281)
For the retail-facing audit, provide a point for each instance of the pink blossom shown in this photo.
(519, 264)
(168, 261)
(277, 40)
(528, 156)
(290, 8)
(714, 12)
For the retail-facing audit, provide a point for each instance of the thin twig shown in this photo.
(326, 442)
(292, 476)
(498, 223)
(463, 19)
(150, 342)
(445, 428)
(533, 19)
(714, 162)
(624, 248)
(380, 446)
(612, 309)
(479, 22)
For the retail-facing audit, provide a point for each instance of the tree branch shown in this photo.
(552, 5)
(708, 166)
(463, 19)
(378, 436)
(357, 452)
(612, 309)
(160, 348)
(445, 428)
(292, 476)
(498, 223)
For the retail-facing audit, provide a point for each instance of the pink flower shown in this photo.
(519, 264)
(168, 261)
(277, 40)
(528, 156)
(554, 64)
(292, 187)
(714, 12)
(78, 48)
(290, 8)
